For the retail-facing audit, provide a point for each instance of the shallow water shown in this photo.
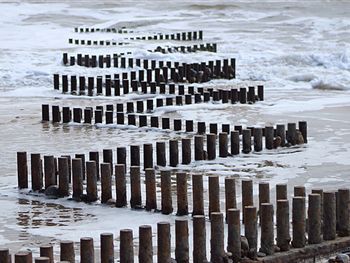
(299, 51)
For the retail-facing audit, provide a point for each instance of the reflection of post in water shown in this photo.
(33, 213)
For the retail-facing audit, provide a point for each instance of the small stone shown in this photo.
(261, 254)
(52, 191)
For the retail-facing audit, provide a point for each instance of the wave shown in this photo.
(325, 85)
(338, 60)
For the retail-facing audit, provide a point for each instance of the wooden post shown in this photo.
(148, 155)
(235, 147)
(134, 155)
(173, 153)
(343, 213)
(223, 148)
(5, 255)
(108, 157)
(197, 192)
(49, 169)
(106, 182)
(87, 253)
(107, 248)
(217, 250)
(198, 148)
(211, 146)
(23, 257)
(329, 216)
(121, 156)
(214, 195)
(258, 139)
(126, 246)
(314, 219)
(234, 234)
(303, 130)
(199, 239)
(230, 194)
(36, 172)
(264, 195)
(47, 251)
(120, 182)
(281, 132)
(94, 156)
(22, 170)
(63, 176)
(67, 251)
(91, 177)
(269, 135)
(163, 242)
(247, 195)
(181, 190)
(135, 182)
(182, 244)
(151, 191)
(247, 141)
(281, 192)
(299, 190)
(161, 156)
(186, 150)
(166, 200)
(267, 234)
(298, 214)
(250, 229)
(282, 218)
(145, 244)
(77, 174)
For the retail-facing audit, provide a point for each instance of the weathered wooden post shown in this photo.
(247, 195)
(234, 234)
(343, 214)
(211, 146)
(47, 251)
(281, 192)
(126, 246)
(161, 154)
(22, 170)
(166, 200)
(282, 218)
(77, 174)
(67, 251)
(151, 194)
(181, 190)
(108, 157)
(247, 141)
(281, 132)
(329, 216)
(299, 222)
(299, 190)
(87, 252)
(223, 147)
(5, 255)
(23, 257)
(303, 130)
(163, 242)
(106, 182)
(107, 248)
(269, 135)
(91, 178)
(230, 194)
(181, 241)
(173, 152)
(186, 150)
(258, 139)
(235, 147)
(199, 239)
(135, 182)
(267, 234)
(264, 195)
(198, 148)
(217, 250)
(134, 155)
(197, 192)
(145, 244)
(148, 155)
(49, 170)
(314, 219)
(251, 229)
(214, 195)
(120, 181)
(36, 171)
